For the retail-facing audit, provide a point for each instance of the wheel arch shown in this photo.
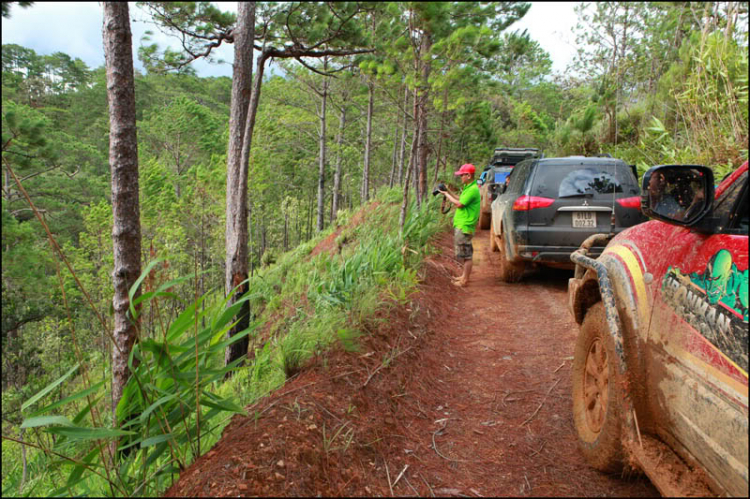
(626, 321)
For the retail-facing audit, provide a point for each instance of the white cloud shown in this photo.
(551, 24)
(75, 28)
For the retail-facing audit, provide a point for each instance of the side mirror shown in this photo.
(678, 194)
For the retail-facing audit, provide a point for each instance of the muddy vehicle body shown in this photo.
(660, 368)
(551, 205)
(496, 172)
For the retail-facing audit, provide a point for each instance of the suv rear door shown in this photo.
(583, 195)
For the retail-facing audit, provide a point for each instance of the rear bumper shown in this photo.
(557, 255)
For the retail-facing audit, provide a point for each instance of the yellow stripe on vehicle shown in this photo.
(627, 256)
(705, 370)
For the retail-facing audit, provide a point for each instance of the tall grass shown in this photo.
(176, 403)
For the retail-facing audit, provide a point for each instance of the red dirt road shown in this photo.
(465, 392)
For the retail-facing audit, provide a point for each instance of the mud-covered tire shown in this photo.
(484, 220)
(510, 272)
(493, 240)
(597, 397)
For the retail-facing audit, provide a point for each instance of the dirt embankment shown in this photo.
(466, 392)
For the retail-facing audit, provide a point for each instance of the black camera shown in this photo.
(440, 187)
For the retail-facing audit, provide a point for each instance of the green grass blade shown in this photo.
(70, 399)
(49, 388)
(44, 421)
(81, 433)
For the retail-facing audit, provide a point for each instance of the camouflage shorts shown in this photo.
(462, 245)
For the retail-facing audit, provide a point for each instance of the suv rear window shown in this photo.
(559, 181)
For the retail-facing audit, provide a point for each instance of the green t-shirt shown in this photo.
(466, 218)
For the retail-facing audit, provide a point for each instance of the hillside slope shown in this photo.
(463, 392)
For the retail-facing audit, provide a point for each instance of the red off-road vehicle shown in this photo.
(660, 367)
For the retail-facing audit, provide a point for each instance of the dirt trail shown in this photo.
(466, 392)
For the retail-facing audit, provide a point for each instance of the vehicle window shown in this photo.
(518, 177)
(500, 174)
(743, 219)
(729, 201)
(556, 180)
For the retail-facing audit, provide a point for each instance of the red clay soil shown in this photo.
(465, 392)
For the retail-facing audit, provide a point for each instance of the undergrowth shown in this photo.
(176, 404)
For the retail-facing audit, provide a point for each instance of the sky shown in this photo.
(75, 28)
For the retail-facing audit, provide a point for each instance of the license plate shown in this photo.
(584, 219)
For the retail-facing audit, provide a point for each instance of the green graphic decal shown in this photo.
(714, 303)
(724, 282)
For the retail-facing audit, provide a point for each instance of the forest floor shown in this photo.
(465, 392)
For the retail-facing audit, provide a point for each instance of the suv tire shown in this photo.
(597, 401)
(510, 272)
(484, 219)
(493, 240)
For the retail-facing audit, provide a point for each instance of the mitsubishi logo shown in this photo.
(585, 203)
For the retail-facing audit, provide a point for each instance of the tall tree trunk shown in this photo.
(405, 198)
(424, 92)
(322, 151)
(394, 155)
(123, 162)
(337, 175)
(368, 143)
(286, 230)
(403, 138)
(238, 153)
(439, 147)
(414, 149)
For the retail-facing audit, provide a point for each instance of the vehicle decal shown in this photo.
(636, 250)
(636, 275)
(714, 367)
(713, 302)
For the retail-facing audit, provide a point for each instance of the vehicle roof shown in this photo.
(580, 160)
(730, 179)
(516, 149)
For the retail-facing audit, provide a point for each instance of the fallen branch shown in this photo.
(387, 474)
(540, 405)
(400, 475)
(428, 485)
(558, 367)
(412, 486)
(434, 446)
(540, 449)
(382, 365)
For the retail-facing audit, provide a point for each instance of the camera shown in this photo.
(440, 187)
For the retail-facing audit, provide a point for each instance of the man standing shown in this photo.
(465, 220)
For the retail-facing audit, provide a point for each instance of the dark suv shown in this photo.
(502, 162)
(551, 205)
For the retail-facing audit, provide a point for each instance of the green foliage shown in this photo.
(676, 92)
(166, 408)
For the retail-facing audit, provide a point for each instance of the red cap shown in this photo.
(467, 168)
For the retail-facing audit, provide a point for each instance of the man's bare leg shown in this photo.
(463, 279)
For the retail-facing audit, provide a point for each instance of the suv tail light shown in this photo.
(525, 203)
(634, 202)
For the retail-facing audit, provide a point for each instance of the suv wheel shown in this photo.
(484, 219)
(597, 411)
(509, 271)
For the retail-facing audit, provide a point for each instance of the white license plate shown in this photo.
(584, 219)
